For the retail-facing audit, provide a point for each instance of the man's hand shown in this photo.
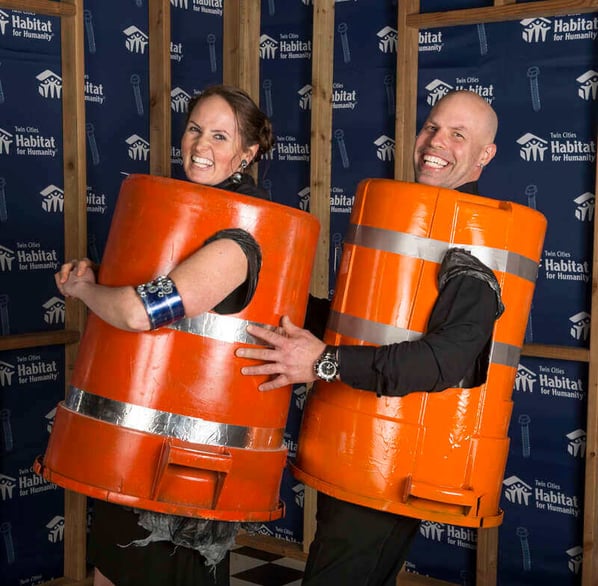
(289, 359)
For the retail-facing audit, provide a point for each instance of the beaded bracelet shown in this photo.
(161, 301)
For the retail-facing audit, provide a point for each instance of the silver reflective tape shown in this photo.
(164, 423)
(383, 334)
(225, 328)
(434, 250)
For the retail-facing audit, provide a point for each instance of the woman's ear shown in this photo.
(249, 153)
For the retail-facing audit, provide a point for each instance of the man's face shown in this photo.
(452, 143)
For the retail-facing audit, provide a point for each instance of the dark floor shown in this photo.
(252, 566)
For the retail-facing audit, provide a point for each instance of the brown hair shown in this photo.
(254, 126)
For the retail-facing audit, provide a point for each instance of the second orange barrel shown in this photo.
(435, 456)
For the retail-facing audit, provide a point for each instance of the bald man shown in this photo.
(355, 545)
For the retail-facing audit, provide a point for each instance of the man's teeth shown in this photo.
(435, 162)
(201, 161)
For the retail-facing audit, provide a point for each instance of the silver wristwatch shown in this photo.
(326, 367)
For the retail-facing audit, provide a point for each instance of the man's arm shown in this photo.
(459, 328)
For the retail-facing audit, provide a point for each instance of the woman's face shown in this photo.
(211, 146)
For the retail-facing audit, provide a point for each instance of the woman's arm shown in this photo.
(202, 281)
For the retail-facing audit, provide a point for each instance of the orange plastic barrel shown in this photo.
(434, 456)
(164, 420)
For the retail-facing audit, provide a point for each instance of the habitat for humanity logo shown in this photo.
(96, 203)
(29, 369)
(559, 29)
(561, 267)
(576, 443)
(54, 311)
(7, 485)
(28, 141)
(206, 6)
(50, 84)
(442, 533)
(179, 100)
(385, 148)
(438, 88)
(56, 529)
(26, 26)
(588, 85)
(564, 147)
(430, 41)
(551, 380)
(289, 148)
(387, 39)
(287, 46)
(135, 40)
(138, 148)
(584, 207)
(94, 92)
(545, 495)
(30, 257)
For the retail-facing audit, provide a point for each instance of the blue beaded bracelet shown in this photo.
(161, 300)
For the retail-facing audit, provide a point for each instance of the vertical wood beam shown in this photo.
(487, 557)
(406, 91)
(75, 244)
(160, 121)
(589, 576)
(320, 178)
(241, 43)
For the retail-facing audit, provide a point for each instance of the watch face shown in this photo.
(327, 369)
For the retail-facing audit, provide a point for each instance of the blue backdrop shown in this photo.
(541, 76)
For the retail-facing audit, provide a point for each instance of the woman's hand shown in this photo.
(77, 269)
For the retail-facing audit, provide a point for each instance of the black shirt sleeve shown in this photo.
(459, 329)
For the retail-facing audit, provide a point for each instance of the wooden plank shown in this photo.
(64, 8)
(320, 179)
(272, 545)
(409, 579)
(406, 91)
(590, 506)
(75, 244)
(500, 13)
(487, 557)
(35, 339)
(241, 56)
(159, 87)
(556, 352)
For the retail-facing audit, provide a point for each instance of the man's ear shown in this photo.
(488, 153)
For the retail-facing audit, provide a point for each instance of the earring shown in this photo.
(237, 176)
(244, 164)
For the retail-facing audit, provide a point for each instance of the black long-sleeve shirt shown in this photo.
(452, 352)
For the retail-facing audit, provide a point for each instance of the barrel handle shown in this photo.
(199, 456)
(415, 489)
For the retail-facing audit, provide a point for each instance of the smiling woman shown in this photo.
(225, 134)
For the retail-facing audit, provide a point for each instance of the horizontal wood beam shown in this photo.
(500, 13)
(64, 8)
(556, 352)
(53, 338)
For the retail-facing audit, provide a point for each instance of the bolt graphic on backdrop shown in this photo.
(483, 39)
(93, 146)
(3, 210)
(339, 135)
(139, 3)
(211, 39)
(533, 73)
(267, 87)
(135, 80)
(1, 90)
(526, 558)
(91, 39)
(7, 438)
(9, 548)
(4, 325)
(342, 30)
(92, 248)
(389, 86)
(524, 421)
(337, 244)
(271, 8)
(465, 577)
(530, 193)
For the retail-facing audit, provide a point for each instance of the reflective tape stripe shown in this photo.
(434, 250)
(383, 334)
(164, 423)
(225, 328)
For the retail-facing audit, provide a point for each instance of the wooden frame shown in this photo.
(241, 67)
